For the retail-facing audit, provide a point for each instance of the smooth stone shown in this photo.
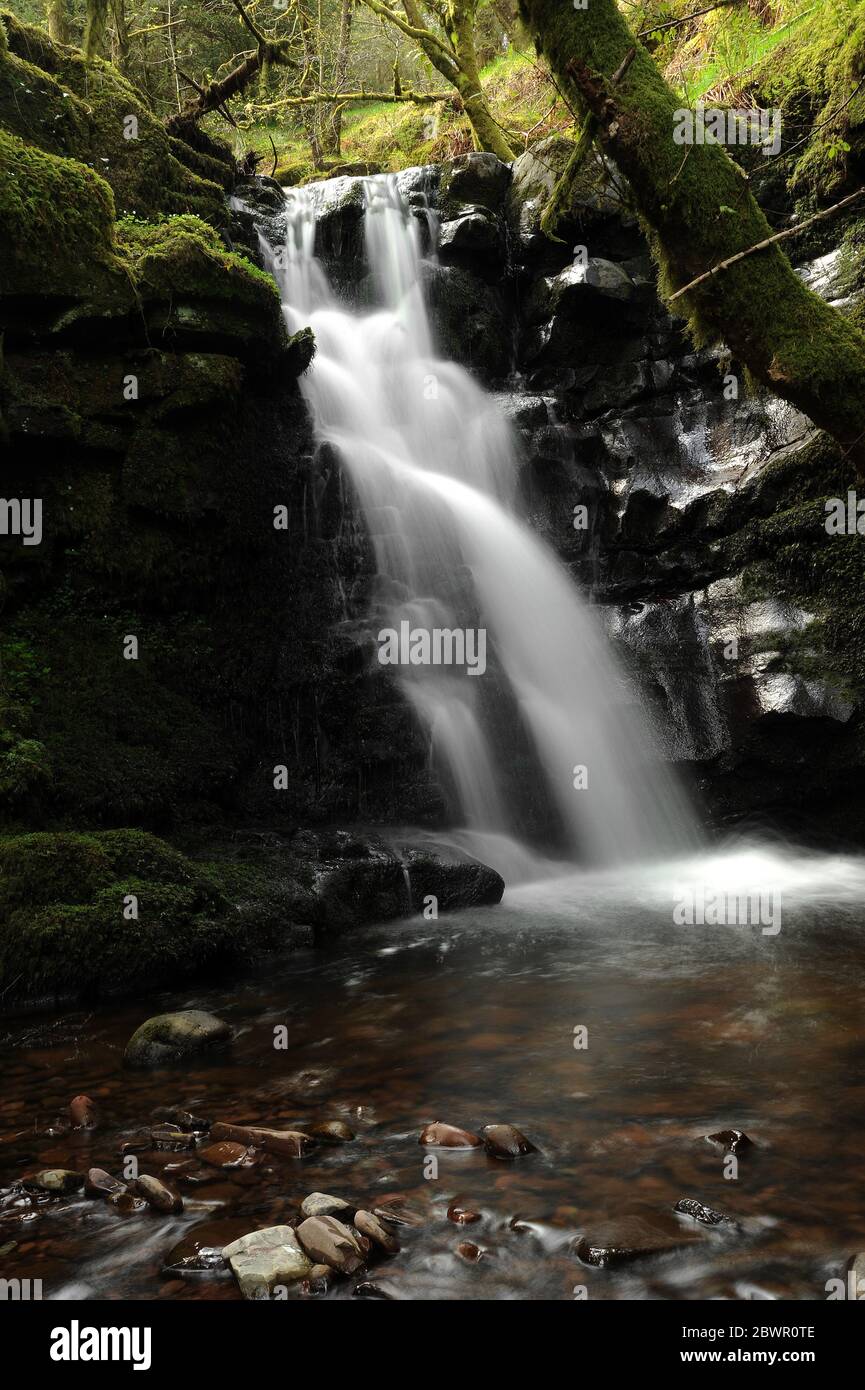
(461, 1215)
(505, 1141)
(289, 1143)
(372, 1228)
(327, 1241)
(264, 1259)
(167, 1038)
(333, 1132)
(157, 1194)
(182, 1119)
(57, 1180)
(470, 1252)
(226, 1155)
(443, 1136)
(732, 1141)
(82, 1112)
(98, 1183)
(320, 1204)
(318, 1281)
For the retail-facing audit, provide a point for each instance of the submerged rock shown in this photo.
(288, 1143)
(626, 1239)
(82, 1112)
(228, 1155)
(462, 1216)
(168, 1038)
(332, 1132)
(506, 1141)
(98, 1183)
(264, 1259)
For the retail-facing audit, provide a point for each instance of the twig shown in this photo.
(769, 241)
(695, 14)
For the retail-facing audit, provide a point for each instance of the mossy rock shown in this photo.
(176, 1037)
(53, 99)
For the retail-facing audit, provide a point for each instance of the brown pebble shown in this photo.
(227, 1155)
(82, 1112)
(461, 1215)
(470, 1252)
(443, 1136)
(372, 1227)
(506, 1141)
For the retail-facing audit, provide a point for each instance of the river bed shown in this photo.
(471, 1019)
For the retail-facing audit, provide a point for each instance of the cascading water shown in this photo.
(435, 464)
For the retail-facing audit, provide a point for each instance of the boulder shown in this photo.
(265, 1259)
(168, 1038)
(474, 178)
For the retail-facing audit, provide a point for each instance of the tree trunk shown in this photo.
(93, 44)
(488, 133)
(699, 210)
(58, 21)
(120, 47)
(340, 73)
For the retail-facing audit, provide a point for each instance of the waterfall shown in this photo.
(435, 466)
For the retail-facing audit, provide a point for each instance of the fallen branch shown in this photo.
(695, 14)
(311, 98)
(768, 241)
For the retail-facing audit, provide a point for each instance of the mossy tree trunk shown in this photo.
(454, 55)
(95, 26)
(699, 210)
(57, 15)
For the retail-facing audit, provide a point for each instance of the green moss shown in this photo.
(183, 256)
(54, 100)
(64, 931)
(46, 203)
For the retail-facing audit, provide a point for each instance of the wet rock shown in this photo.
(332, 1132)
(318, 1281)
(55, 1180)
(470, 179)
(320, 1204)
(475, 234)
(706, 1216)
(399, 1213)
(472, 1253)
(168, 1038)
(182, 1119)
(171, 1138)
(328, 1241)
(732, 1141)
(98, 1183)
(289, 1143)
(374, 1230)
(264, 1259)
(506, 1141)
(627, 1239)
(157, 1194)
(462, 1216)
(127, 1202)
(82, 1112)
(470, 322)
(443, 1136)
(367, 1289)
(227, 1155)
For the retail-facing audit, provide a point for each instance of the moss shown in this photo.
(62, 925)
(54, 100)
(183, 256)
(49, 202)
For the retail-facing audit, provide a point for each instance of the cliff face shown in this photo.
(701, 507)
(149, 402)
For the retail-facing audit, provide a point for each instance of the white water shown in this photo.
(435, 466)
